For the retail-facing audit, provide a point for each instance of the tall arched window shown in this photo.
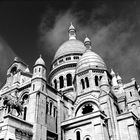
(55, 84)
(96, 80)
(33, 87)
(83, 83)
(50, 108)
(25, 112)
(46, 112)
(87, 139)
(78, 135)
(54, 112)
(87, 82)
(61, 81)
(69, 79)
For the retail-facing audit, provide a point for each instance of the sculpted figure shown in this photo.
(10, 104)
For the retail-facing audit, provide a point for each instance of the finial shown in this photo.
(112, 72)
(27, 69)
(71, 27)
(87, 43)
(119, 77)
(72, 32)
(16, 58)
(40, 55)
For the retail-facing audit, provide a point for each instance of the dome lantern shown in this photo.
(72, 32)
(87, 43)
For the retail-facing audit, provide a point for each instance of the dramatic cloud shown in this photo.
(113, 29)
(6, 58)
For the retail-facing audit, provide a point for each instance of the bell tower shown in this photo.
(37, 100)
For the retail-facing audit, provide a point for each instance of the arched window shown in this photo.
(87, 139)
(46, 108)
(78, 135)
(61, 81)
(96, 80)
(54, 112)
(87, 82)
(25, 98)
(87, 108)
(33, 87)
(46, 112)
(50, 108)
(25, 112)
(69, 79)
(42, 87)
(83, 83)
(55, 84)
(14, 70)
(130, 93)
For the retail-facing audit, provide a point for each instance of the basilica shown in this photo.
(80, 99)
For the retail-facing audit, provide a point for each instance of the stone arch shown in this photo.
(25, 92)
(87, 137)
(81, 103)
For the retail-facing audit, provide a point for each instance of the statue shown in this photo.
(10, 104)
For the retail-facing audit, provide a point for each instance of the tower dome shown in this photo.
(90, 59)
(40, 61)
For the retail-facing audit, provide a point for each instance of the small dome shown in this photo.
(87, 40)
(70, 47)
(90, 60)
(40, 61)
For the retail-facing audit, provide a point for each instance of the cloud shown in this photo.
(114, 35)
(6, 58)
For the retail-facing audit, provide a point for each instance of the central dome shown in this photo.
(69, 47)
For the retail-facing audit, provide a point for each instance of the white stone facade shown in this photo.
(80, 100)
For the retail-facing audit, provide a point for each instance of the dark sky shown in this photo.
(28, 28)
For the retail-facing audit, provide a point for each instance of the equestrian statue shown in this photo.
(13, 103)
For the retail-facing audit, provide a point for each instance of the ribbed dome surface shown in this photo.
(70, 46)
(90, 60)
(40, 61)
